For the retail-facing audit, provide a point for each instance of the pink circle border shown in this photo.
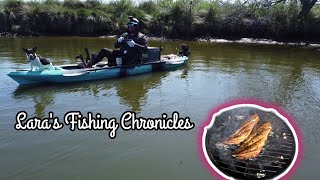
(255, 102)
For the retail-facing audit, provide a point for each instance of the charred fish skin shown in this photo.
(243, 131)
(253, 145)
(258, 133)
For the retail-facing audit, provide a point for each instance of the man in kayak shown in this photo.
(132, 45)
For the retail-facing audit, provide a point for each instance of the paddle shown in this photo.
(76, 74)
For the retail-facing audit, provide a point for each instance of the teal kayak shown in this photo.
(76, 73)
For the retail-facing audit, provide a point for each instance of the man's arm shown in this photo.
(142, 46)
(118, 44)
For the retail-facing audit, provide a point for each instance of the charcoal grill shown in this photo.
(274, 159)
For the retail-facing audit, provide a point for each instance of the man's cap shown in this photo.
(133, 20)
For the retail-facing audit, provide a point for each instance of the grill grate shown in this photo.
(275, 157)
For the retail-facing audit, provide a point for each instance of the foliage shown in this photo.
(209, 18)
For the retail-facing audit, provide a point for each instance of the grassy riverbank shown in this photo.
(209, 19)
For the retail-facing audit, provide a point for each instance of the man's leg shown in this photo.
(115, 54)
(105, 52)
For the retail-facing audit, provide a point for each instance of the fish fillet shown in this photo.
(243, 131)
(253, 145)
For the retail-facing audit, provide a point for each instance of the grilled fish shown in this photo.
(253, 145)
(243, 131)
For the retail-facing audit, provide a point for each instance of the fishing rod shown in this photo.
(161, 38)
(185, 47)
(189, 24)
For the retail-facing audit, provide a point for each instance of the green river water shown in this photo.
(215, 73)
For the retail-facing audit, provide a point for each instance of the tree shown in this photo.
(306, 7)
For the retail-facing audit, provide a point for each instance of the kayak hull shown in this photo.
(68, 74)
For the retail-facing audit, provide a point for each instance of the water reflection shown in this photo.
(132, 91)
(185, 72)
(46, 95)
(288, 84)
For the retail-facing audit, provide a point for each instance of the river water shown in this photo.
(215, 73)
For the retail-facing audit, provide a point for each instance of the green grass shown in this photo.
(209, 18)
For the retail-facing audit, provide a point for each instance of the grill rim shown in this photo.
(212, 119)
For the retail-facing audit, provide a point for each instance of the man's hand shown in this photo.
(131, 43)
(120, 39)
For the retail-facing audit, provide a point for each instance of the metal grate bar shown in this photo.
(289, 143)
(239, 172)
(249, 167)
(286, 131)
(289, 147)
(281, 153)
(279, 149)
(262, 155)
(260, 160)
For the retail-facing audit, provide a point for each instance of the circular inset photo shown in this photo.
(250, 142)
